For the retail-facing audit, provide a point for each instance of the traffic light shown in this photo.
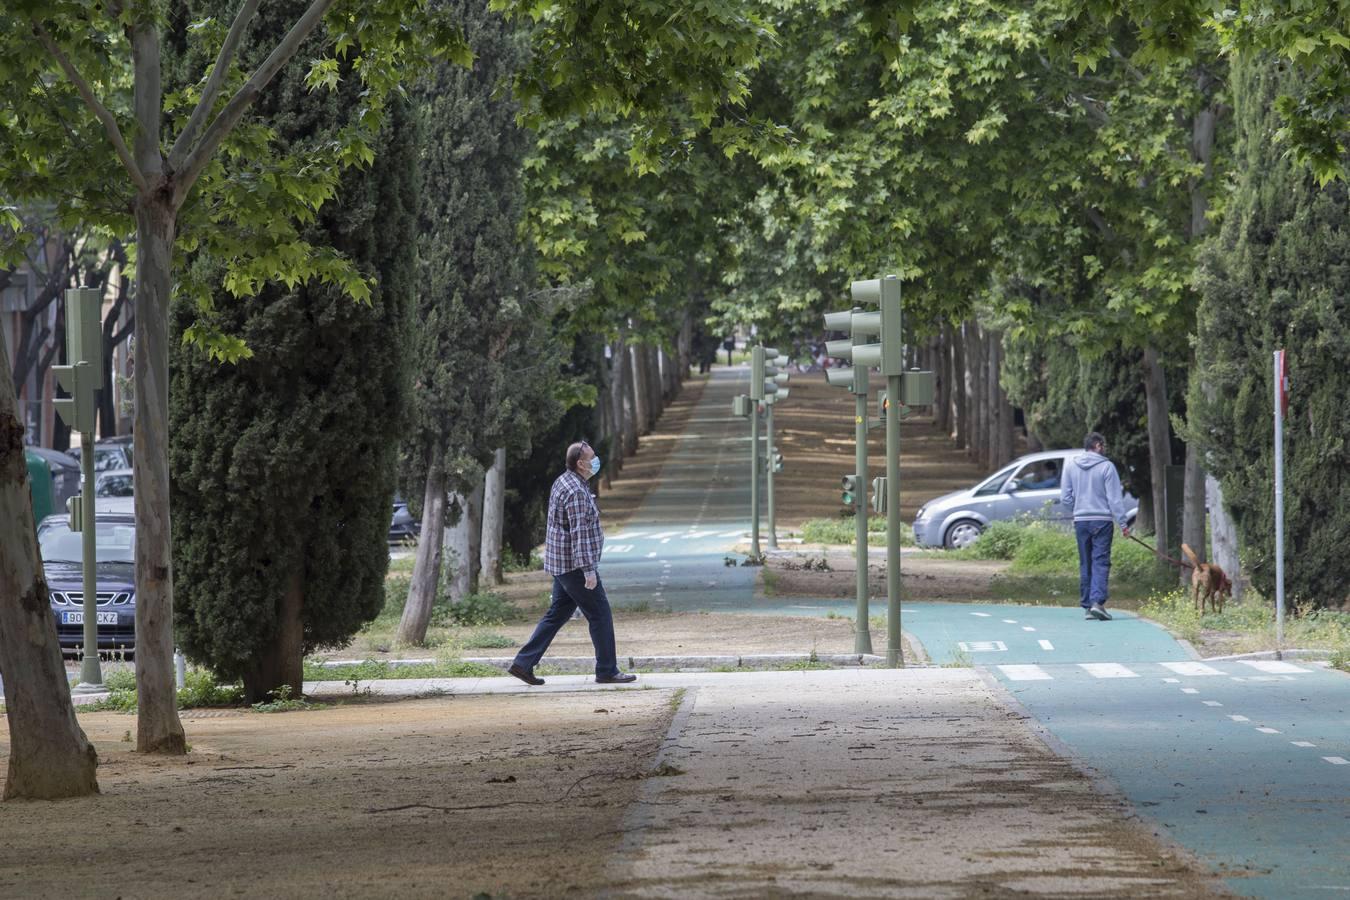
(777, 462)
(78, 410)
(741, 406)
(75, 512)
(762, 372)
(849, 495)
(879, 495)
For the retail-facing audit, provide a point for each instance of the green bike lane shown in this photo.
(1246, 763)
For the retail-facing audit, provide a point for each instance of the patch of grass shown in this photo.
(371, 669)
(832, 614)
(488, 639)
(284, 702)
(200, 689)
(842, 530)
(483, 608)
(803, 665)
(1254, 620)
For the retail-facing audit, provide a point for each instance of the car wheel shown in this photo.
(962, 534)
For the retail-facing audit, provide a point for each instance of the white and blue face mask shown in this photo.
(595, 466)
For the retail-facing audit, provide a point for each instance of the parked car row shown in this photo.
(1028, 486)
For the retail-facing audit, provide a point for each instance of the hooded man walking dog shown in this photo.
(1090, 491)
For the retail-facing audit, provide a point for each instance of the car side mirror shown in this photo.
(1012, 486)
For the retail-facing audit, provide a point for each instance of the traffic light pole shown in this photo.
(862, 633)
(90, 673)
(754, 481)
(768, 472)
(895, 655)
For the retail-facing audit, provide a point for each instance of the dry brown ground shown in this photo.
(519, 796)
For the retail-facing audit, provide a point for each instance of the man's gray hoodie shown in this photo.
(1091, 489)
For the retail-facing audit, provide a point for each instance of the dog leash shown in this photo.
(1176, 562)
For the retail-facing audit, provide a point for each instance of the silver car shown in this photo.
(1028, 486)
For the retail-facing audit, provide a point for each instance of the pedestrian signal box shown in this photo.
(849, 494)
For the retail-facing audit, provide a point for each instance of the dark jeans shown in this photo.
(569, 592)
(1094, 561)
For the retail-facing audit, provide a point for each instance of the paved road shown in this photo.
(673, 551)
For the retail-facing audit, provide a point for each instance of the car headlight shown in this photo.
(923, 514)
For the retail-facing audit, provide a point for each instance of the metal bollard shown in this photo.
(180, 668)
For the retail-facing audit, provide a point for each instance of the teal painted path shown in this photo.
(671, 554)
(1247, 764)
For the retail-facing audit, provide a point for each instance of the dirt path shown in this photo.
(510, 796)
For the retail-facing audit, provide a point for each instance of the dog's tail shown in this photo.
(1190, 554)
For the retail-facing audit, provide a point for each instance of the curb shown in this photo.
(585, 665)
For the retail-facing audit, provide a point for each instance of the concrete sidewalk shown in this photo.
(860, 782)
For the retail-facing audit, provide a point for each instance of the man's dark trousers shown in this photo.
(1094, 560)
(569, 592)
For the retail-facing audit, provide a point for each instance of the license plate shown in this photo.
(77, 618)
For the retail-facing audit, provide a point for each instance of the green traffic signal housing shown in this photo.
(849, 493)
(78, 410)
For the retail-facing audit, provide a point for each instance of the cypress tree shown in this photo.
(284, 464)
(481, 356)
(1278, 276)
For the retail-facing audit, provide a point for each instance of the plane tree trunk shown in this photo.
(49, 755)
(426, 576)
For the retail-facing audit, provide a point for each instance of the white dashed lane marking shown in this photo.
(1025, 673)
(1046, 645)
(982, 615)
(1273, 666)
(1239, 718)
(1337, 760)
(1303, 743)
(1107, 670)
(1191, 668)
(1212, 703)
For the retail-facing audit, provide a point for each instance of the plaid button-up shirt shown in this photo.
(574, 539)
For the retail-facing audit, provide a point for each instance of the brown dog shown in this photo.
(1208, 582)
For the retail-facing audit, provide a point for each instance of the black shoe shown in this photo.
(524, 674)
(621, 678)
(1097, 612)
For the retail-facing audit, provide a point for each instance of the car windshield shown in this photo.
(113, 486)
(993, 483)
(114, 541)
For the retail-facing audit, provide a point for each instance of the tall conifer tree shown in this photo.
(284, 463)
(1278, 276)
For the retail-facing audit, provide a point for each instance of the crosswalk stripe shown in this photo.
(1046, 645)
(1191, 668)
(618, 548)
(1239, 718)
(1337, 760)
(1303, 743)
(627, 535)
(1211, 702)
(663, 534)
(1268, 731)
(1027, 628)
(1272, 665)
(736, 533)
(699, 534)
(1025, 673)
(1107, 670)
(982, 615)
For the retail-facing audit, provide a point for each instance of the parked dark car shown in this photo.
(403, 529)
(62, 552)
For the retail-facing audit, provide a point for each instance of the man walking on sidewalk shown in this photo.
(1090, 492)
(572, 546)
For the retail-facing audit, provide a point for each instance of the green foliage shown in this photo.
(370, 670)
(200, 689)
(284, 463)
(489, 640)
(482, 351)
(1253, 621)
(1040, 549)
(284, 702)
(1278, 276)
(484, 608)
(843, 531)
